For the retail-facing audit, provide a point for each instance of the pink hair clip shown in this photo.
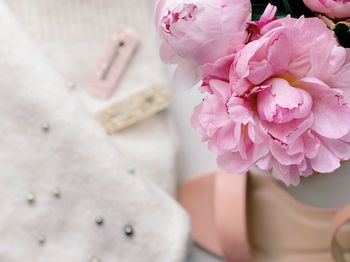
(114, 63)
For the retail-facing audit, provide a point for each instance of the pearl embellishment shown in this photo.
(30, 198)
(129, 231)
(45, 127)
(41, 239)
(56, 192)
(99, 221)
(131, 170)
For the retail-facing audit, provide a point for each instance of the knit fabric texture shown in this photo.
(49, 141)
(74, 35)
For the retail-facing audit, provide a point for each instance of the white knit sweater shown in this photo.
(74, 154)
(74, 35)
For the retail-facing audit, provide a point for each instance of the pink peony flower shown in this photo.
(331, 8)
(286, 105)
(201, 36)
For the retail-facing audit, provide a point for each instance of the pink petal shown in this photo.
(325, 161)
(223, 140)
(167, 54)
(279, 152)
(220, 68)
(346, 138)
(261, 150)
(339, 148)
(259, 71)
(265, 162)
(289, 132)
(311, 144)
(234, 163)
(300, 129)
(269, 12)
(332, 116)
(287, 174)
(296, 147)
(239, 111)
(280, 53)
(332, 8)
(306, 169)
(341, 80)
(220, 88)
(185, 76)
(243, 58)
(281, 103)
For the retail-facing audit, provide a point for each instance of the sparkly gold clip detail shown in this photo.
(133, 109)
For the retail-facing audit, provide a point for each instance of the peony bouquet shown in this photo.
(276, 78)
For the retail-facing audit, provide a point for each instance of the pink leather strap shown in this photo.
(216, 203)
(340, 218)
(230, 216)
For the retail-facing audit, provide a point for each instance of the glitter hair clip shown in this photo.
(133, 109)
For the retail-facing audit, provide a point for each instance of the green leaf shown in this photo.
(287, 7)
(299, 8)
(342, 32)
(295, 8)
(280, 14)
(258, 10)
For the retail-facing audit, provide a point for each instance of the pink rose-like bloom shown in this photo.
(201, 36)
(286, 106)
(331, 8)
